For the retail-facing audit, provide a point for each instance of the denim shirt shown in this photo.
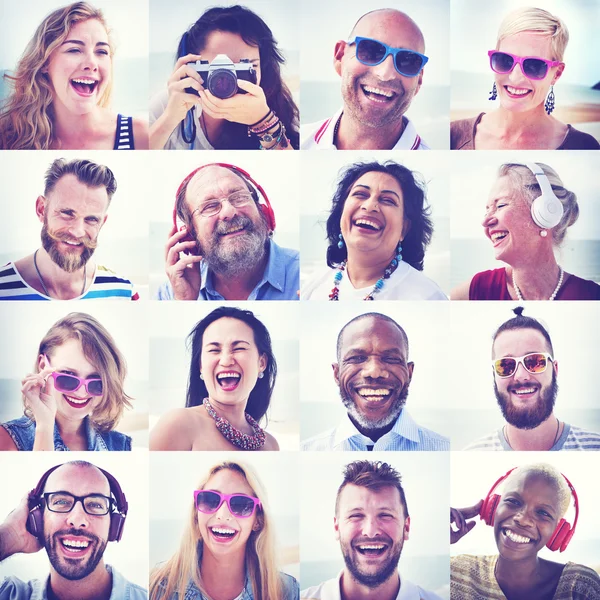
(12, 588)
(291, 590)
(22, 432)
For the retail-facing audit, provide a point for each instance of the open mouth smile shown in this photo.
(75, 547)
(513, 92)
(378, 95)
(374, 395)
(222, 534)
(84, 86)
(77, 402)
(367, 225)
(524, 392)
(371, 549)
(515, 537)
(228, 380)
(498, 236)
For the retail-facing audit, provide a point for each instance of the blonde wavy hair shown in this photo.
(26, 116)
(100, 349)
(184, 565)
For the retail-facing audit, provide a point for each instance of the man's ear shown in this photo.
(103, 221)
(336, 372)
(336, 526)
(338, 54)
(411, 368)
(40, 207)
(406, 527)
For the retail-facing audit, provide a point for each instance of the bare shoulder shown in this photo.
(6, 442)
(461, 291)
(270, 442)
(174, 430)
(141, 134)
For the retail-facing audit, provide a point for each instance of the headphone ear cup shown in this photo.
(547, 211)
(117, 524)
(561, 537)
(267, 212)
(488, 510)
(35, 523)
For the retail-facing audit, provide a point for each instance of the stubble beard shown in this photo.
(532, 417)
(72, 261)
(74, 569)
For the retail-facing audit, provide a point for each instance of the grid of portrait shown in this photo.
(200, 317)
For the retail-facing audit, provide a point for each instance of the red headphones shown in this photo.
(562, 534)
(35, 519)
(265, 206)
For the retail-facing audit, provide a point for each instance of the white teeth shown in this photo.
(86, 81)
(498, 235)
(525, 391)
(229, 374)
(77, 400)
(519, 539)
(365, 393)
(516, 92)
(372, 547)
(75, 543)
(72, 243)
(374, 90)
(223, 530)
(234, 229)
(368, 223)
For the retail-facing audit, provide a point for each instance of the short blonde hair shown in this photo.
(552, 475)
(184, 565)
(527, 187)
(101, 351)
(540, 21)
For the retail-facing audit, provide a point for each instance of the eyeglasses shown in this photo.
(535, 363)
(71, 383)
(240, 505)
(533, 67)
(373, 52)
(213, 207)
(64, 502)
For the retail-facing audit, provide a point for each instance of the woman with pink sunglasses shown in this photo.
(75, 397)
(227, 549)
(527, 62)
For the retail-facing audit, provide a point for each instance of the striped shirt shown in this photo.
(572, 438)
(472, 578)
(106, 285)
(405, 435)
(124, 134)
(319, 136)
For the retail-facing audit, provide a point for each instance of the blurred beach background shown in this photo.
(474, 32)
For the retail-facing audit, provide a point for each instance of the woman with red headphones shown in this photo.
(527, 516)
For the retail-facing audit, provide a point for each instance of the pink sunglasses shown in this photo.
(533, 67)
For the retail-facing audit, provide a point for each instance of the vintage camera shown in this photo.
(221, 75)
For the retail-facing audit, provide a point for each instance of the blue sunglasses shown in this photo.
(373, 52)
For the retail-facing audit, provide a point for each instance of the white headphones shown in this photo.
(546, 210)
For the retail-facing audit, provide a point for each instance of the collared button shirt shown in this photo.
(330, 590)
(22, 433)
(405, 435)
(12, 588)
(319, 136)
(280, 281)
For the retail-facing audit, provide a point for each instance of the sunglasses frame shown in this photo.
(388, 50)
(84, 382)
(521, 360)
(519, 60)
(226, 498)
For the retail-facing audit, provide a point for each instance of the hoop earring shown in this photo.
(201, 376)
(493, 93)
(340, 243)
(549, 104)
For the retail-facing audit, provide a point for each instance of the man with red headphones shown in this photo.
(73, 512)
(220, 246)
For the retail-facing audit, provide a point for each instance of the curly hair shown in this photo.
(416, 211)
(26, 116)
(260, 396)
(255, 32)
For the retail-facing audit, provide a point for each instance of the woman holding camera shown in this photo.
(203, 111)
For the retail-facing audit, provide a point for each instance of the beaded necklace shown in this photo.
(552, 296)
(234, 435)
(335, 292)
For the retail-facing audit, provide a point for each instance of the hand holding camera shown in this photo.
(183, 86)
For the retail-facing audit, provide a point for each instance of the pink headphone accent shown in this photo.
(562, 534)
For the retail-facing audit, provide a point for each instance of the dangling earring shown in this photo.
(543, 233)
(340, 242)
(399, 253)
(549, 104)
(493, 93)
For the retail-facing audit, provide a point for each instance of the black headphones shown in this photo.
(35, 519)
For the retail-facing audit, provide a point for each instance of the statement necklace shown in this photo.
(234, 435)
(42, 281)
(335, 292)
(552, 296)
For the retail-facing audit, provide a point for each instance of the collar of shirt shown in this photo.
(404, 427)
(274, 276)
(331, 590)
(409, 140)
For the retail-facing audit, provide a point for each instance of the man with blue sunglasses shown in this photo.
(381, 65)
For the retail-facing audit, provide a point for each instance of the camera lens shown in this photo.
(222, 83)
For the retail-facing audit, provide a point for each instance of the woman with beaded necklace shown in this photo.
(232, 376)
(378, 229)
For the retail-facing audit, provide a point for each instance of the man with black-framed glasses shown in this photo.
(381, 65)
(73, 512)
(525, 384)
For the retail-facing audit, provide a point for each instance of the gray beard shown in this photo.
(532, 417)
(369, 424)
(241, 257)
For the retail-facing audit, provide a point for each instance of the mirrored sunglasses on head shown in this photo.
(408, 63)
